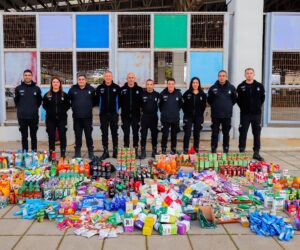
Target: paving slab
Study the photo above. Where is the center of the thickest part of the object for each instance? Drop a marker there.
(44, 228)
(14, 226)
(171, 242)
(196, 229)
(10, 213)
(250, 242)
(293, 244)
(70, 242)
(7, 242)
(38, 242)
(3, 211)
(212, 242)
(126, 242)
(237, 228)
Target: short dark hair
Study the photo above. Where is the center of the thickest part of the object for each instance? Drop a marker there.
(149, 80)
(171, 79)
(27, 71)
(222, 71)
(79, 75)
(247, 69)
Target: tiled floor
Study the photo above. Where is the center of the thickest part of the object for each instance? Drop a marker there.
(22, 234)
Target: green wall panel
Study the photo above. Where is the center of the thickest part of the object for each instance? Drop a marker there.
(170, 31)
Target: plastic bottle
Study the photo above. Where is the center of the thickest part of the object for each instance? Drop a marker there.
(244, 221)
(87, 169)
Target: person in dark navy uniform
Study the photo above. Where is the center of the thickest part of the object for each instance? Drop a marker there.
(149, 120)
(28, 99)
(221, 98)
(56, 104)
(251, 97)
(130, 104)
(170, 104)
(194, 104)
(107, 95)
(82, 99)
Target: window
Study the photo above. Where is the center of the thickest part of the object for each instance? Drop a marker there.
(19, 31)
(170, 64)
(285, 91)
(93, 65)
(207, 31)
(56, 64)
(134, 31)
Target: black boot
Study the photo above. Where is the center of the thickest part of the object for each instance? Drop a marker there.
(185, 151)
(173, 151)
(213, 150)
(242, 150)
(197, 150)
(50, 155)
(163, 151)
(257, 156)
(77, 153)
(136, 149)
(154, 152)
(115, 152)
(105, 154)
(143, 153)
(63, 153)
(91, 154)
(226, 150)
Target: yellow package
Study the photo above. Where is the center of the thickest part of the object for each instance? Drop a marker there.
(147, 231)
(4, 187)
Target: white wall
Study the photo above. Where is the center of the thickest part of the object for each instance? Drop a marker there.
(245, 43)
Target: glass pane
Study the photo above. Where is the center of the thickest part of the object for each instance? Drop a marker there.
(170, 31)
(19, 31)
(286, 32)
(136, 62)
(11, 110)
(134, 31)
(170, 64)
(93, 65)
(16, 63)
(92, 31)
(286, 68)
(207, 31)
(55, 31)
(206, 66)
(285, 104)
(56, 64)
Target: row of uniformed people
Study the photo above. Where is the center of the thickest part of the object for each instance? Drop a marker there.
(140, 108)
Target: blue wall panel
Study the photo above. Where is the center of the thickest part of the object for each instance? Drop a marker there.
(286, 32)
(92, 31)
(206, 66)
(55, 31)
